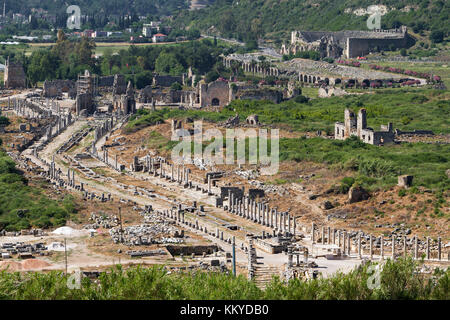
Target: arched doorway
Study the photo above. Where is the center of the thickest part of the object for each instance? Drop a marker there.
(215, 102)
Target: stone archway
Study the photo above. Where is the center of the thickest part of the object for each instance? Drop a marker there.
(215, 102)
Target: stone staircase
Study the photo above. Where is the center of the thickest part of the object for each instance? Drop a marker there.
(264, 274)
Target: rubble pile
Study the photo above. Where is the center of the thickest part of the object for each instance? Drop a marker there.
(155, 231)
(102, 221)
(269, 188)
(146, 253)
(247, 174)
(20, 248)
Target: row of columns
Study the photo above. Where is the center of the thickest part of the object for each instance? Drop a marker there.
(343, 241)
(261, 213)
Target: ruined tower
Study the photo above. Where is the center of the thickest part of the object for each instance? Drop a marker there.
(349, 122)
(127, 101)
(362, 121)
(14, 76)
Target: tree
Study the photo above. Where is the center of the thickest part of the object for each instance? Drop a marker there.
(4, 122)
(176, 86)
(143, 79)
(403, 52)
(437, 36)
(211, 76)
(167, 63)
(84, 51)
(43, 65)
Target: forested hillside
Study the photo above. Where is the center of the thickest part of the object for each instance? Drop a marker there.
(244, 19)
(91, 7)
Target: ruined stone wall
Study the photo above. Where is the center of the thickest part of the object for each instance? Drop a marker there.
(84, 104)
(216, 94)
(14, 76)
(349, 43)
(166, 81)
(361, 46)
(107, 81)
(380, 137)
(54, 88)
(274, 96)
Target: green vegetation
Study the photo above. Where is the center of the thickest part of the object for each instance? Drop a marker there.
(22, 206)
(374, 167)
(251, 19)
(398, 281)
(66, 59)
(422, 108)
(313, 55)
(119, 13)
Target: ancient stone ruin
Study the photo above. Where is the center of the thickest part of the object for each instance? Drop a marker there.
(358, 127)
(14, 76)
(349, 44)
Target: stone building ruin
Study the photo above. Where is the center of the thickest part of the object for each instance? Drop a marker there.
(14, 76)
(84, 103)
(349, 44)
(126, 103)
(55, 88)
(358, 127)
(215, 94)
(119, 84)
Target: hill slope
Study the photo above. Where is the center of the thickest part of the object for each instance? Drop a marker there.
(244, 19)
(104, 7)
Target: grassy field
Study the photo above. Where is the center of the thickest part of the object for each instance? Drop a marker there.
(375, 167)
(435, 68)
(101, 47)
(23, 206)
(406, 108)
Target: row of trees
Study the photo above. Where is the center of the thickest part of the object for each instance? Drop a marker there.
(67, 59)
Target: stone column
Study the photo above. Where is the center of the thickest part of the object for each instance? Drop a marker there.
(439, 248)
(428, 248)
(344, 243)
(289, 223)
(232, 203)
(263, 205)
(259, 212)
(323, 234)
(349, 248)
(339, 238)
(416, 247)
(312, 233)
(276, 219)
(295, 226)
(240, 207)
(381, 247)
(404, 247)
(359, 246)
(371, 247)
(329, 235)
(393, 247)
(271, 218)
